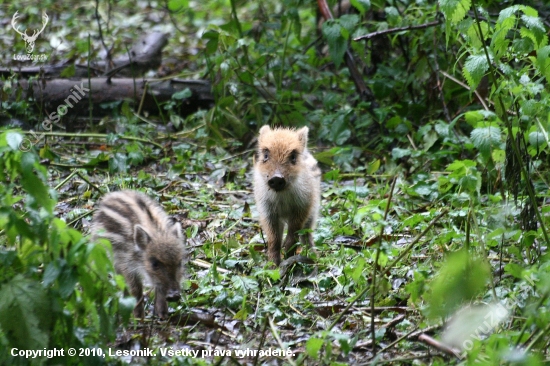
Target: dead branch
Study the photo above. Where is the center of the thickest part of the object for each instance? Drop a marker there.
(436, 344)
(395, 30)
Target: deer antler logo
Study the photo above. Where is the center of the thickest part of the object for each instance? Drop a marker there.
(29, 40)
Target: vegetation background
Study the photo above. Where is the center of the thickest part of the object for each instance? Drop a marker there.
(432, 246)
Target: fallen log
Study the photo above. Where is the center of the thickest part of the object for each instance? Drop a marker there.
(61, 97)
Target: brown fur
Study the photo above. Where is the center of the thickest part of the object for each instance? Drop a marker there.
(287, 188)
(146, 243)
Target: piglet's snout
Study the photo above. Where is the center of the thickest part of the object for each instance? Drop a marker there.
(277, 182)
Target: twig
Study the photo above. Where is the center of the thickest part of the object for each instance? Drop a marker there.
(397, 341)
(88, 181)
(479, 97)
(62, 183)
(72, 222)
(98, 135)
(395, 30)
(204, 264)
(276, 335)
(436, 344)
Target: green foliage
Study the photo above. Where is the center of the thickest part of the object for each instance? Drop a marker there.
(24, 313)
(460, 280)
(458, 126)
(52, 281)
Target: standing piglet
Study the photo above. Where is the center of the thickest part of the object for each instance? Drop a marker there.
(147, 243)
(287, 188)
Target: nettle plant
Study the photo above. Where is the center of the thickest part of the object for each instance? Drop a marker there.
(505, 184)
(55, 287)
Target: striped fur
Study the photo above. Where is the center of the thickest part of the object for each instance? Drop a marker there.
(287, 188)
(147, 244)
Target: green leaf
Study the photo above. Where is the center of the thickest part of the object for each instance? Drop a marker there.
(126, 306)
(349, 22)
(24, 313)
(67, 281)
(118, 163)
(460, 279)
(543, 62)
(337, 45)
(474, 69)
(361, 5)
(34, 185)
(51, 273)
(373, 167)
(537, 139)
(14, 140)
(183, 94)
(358, 270)
(473, 33)
(69, 71)
(313, 347)
(245, 284)
(486, 138)
(537, 31)
(398, 153)
(455, 10)
(177, 5)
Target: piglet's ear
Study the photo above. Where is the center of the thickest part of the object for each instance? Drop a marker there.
(176, 229)
(302, 135)
(141, 237)
(265, 129)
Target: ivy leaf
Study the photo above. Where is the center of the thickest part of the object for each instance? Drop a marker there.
(455, 10)
(474, 69)
(486, 138)
(337, 45)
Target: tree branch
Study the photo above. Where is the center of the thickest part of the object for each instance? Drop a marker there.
(395, 30)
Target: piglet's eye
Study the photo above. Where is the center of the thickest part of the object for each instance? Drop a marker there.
(155, 263)
(293, 156)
